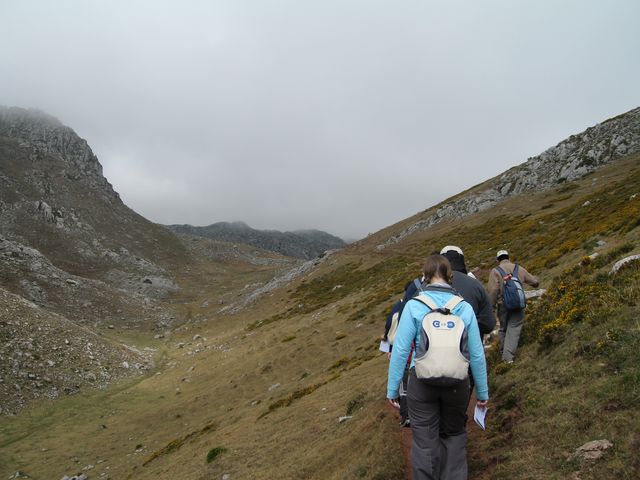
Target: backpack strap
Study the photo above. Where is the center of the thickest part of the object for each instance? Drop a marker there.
(446, 308)
(504, 274)
(515, 271)
(453, 303)
(427, 300)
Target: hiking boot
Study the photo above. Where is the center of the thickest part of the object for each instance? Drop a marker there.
(405, 422)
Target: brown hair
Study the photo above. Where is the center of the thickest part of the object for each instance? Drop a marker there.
(437, 265)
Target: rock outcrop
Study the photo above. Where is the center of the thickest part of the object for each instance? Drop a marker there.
(27, 272)
(277, 282)
(570, 159)
(45, 135)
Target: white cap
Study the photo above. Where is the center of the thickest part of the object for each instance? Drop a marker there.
(451, 248)
(501, 253)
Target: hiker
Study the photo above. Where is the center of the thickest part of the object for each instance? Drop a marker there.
(511, 316)
(413, 288)
(471, 289)
(438, 391)
(390, 330)
(391, 324)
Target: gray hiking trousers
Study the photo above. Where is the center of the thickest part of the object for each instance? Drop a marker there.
(510, 329)
(438, 424)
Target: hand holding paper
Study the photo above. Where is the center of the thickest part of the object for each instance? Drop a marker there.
(479, 415)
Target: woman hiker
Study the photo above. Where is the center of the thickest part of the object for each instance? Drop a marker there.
(438, 400)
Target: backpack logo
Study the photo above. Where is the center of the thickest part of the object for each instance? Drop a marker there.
(448, 325)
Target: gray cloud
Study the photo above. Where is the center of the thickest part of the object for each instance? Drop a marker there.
(341, 115)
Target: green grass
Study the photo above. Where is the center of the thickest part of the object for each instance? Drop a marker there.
(576, 379)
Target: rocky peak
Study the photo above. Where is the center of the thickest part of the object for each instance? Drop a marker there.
(568, 160)
(55, 199)
(45, 134)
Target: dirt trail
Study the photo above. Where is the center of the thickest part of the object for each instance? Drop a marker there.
(406, 437)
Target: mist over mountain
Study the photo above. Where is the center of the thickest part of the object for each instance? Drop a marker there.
(306, 244)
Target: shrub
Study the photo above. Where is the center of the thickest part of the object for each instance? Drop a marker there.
(214, 452)
(355, 403)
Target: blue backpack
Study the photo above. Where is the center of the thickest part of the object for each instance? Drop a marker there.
(513, 297)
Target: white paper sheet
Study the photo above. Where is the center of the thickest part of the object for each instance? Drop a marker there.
(385, 346)
(479, 415)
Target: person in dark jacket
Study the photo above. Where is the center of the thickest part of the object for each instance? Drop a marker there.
(411, 289)
(471, 289)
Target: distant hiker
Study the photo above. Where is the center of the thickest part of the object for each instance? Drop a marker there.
(445, 331)
(505, 283)
(391, 328)
(471, 289)
(413, 288)
(391, 325)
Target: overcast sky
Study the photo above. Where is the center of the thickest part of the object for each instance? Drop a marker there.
(341, 115)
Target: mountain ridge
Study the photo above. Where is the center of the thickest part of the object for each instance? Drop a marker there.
(572, 158)
(305, 244)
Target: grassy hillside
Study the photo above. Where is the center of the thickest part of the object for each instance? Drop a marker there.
(259, 394)
(577, 380)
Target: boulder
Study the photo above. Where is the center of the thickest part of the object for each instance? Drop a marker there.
(592, 450)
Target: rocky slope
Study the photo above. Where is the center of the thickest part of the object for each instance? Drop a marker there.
(74, 261)
(54, 198)
(68, 242)
(572, 158)
(306, 244)
(45, 355)
(77, 264)
(28, 273)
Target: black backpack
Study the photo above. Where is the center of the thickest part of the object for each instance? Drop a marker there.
(513, 297)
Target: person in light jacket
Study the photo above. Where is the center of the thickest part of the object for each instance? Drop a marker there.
(511, 321)
(437, 413)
